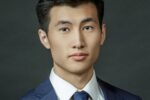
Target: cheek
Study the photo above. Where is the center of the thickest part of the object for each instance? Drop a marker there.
(57, 53)
(94, 41)
(95, 49)
(94, 46)
(58, 48)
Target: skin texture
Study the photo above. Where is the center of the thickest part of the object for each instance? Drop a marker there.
(74, 30)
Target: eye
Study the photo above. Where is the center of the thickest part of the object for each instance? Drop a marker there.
(64, 29)
(88, 28)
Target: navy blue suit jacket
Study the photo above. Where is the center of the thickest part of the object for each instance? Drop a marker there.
(45, 91)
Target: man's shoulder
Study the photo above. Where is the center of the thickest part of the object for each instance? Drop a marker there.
(115, 92)
(45, 90)
(39, 92)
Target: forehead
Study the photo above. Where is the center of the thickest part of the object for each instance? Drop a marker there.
(65, 12)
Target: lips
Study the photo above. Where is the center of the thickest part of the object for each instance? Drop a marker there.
(78, 56)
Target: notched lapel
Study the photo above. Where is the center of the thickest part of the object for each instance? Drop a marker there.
(45, 91)
(107, 89)
(50, 96)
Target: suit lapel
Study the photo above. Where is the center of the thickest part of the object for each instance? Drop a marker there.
(108, 91)
(50, 96)
(45, 91)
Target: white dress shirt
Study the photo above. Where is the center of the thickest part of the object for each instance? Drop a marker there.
(64, 90)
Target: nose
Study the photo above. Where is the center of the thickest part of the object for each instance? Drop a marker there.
(79, 42)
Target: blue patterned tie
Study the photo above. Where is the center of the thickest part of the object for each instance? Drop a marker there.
(80, 95)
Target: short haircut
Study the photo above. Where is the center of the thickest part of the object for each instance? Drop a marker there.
(44, 6)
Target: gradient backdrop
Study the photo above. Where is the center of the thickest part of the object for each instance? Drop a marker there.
(124, 60)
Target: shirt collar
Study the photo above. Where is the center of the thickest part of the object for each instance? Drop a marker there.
(93, 89)
(64, 90)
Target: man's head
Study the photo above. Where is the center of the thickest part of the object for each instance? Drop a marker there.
(74, 35)
(44, 7)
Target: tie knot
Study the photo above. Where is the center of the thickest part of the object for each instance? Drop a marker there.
(80, 95)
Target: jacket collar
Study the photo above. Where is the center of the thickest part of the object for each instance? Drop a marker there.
(108, 90)
(45, 91)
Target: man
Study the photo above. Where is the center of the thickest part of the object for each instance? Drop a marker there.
(74, 33)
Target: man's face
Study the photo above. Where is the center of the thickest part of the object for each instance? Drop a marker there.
(74, 38)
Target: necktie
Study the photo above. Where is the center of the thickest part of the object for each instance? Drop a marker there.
(80, 95)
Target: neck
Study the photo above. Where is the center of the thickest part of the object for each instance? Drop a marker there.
(79, 80)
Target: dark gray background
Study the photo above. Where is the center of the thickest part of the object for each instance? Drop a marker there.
(124, 59)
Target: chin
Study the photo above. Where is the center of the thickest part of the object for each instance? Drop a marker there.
(80, 69)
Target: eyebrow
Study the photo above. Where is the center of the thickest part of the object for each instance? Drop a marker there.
(88, 20)
(63, 22)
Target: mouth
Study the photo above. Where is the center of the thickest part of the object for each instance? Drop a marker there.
(79, 56)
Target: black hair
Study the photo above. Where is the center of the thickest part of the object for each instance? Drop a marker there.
(44, 6)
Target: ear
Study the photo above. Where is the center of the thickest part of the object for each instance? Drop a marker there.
(103, 34)
(44, 38)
